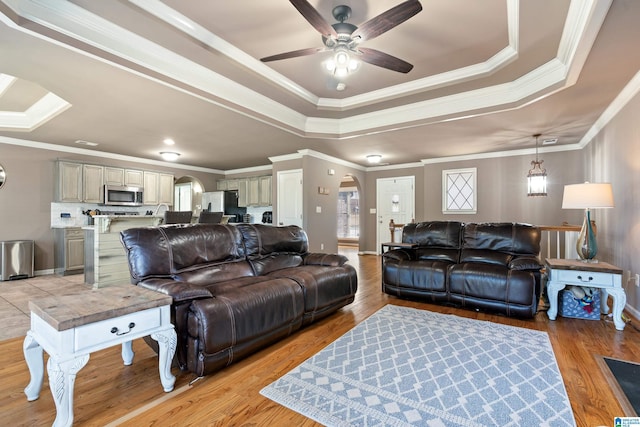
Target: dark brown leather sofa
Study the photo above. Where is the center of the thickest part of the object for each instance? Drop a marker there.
(491, 266)
(236, 288)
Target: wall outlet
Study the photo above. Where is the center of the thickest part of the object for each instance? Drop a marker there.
(321, 246)
(637, 280)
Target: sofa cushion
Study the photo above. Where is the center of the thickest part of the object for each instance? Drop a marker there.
(423, 275)
(475, 282)
(509, 237)
(485, 256)
(440, 234)
(324, 287)
(244, 316)
(163, 251)
(273, 248)
(435, 254)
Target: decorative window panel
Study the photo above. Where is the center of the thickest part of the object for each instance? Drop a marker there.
(459, 191)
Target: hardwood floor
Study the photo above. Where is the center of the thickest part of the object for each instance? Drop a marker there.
(108, 393)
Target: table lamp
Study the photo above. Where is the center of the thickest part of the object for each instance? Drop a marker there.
(587, 196)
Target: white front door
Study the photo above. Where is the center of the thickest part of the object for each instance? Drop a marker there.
(289, 209)
(395, 199)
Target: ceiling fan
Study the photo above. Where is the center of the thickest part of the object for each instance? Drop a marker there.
(344, 38)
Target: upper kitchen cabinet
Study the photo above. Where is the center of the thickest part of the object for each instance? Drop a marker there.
(158, 188)
(92, 178)
(254, 191)
(113, 176)
(151, 182)
(264, 198)
(134, 178)
(165, 189)
(69, 182)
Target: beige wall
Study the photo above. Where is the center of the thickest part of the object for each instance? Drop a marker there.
(614, 156)
(25, 200)
(502, 189)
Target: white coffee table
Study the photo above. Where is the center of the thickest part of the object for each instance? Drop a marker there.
(71, 327)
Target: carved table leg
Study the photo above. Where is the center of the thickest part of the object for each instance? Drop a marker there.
(167, 347)
(62, 377)
(552, 292)
(619, 301)
(33, 355)
(127, 353)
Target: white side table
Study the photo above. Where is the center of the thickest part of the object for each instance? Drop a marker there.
(71, 327)
(602, 275)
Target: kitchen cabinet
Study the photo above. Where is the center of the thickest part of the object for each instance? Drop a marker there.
(243, 192)
(158, 188)
(92, 188)
(165, 189)
(151, 181)
(133, 178)
(253, 191)
(233, 184)
(113, 176)
(69, 182)
(221, 185)
(264, 198)
(69, 250)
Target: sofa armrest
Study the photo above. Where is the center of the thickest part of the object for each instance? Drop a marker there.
(399, 254)
(329, 260)
(179, 291)
(525, 263)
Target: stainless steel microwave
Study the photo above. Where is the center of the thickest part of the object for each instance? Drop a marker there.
(123, 196)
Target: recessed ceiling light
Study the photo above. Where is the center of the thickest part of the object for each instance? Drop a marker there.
(374, 158)
(170, 156)
(169, 141)
(89, 143)
(341, 86)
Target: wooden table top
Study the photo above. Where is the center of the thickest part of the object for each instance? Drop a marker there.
(576, 264)
(93, 305)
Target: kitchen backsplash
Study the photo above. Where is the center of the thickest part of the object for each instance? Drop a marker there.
(76, 218)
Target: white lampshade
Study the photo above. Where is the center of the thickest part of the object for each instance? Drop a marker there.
(588, 196)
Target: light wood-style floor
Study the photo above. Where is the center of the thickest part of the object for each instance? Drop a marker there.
(108, 393)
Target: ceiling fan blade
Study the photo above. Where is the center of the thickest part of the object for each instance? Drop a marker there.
(314, 18)
(293, 54)
(386, 20)
(384, 60)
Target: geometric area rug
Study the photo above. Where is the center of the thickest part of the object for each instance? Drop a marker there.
(408, 367)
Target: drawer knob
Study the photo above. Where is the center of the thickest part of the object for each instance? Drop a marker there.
(116, 331)
(582, 280)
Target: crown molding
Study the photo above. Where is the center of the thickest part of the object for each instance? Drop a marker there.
(5, 82)
(501, 154)
(624, 97)
(583, 22)
(111, 156)
(43, 110)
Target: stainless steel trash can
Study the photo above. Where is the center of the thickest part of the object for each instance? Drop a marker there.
(16, 259)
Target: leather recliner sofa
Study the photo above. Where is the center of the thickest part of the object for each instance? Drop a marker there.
(491, 266)
(236, 288)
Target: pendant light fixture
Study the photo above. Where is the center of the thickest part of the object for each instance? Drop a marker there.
(537, 177)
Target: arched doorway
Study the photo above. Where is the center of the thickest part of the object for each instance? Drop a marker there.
(188, 194)
(349, 212)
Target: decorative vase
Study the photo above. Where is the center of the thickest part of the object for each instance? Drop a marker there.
(586, 244)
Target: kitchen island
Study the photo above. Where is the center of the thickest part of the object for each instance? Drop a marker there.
(105, 258)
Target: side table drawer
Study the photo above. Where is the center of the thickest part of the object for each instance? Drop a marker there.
(586, 278)
(111, 331)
